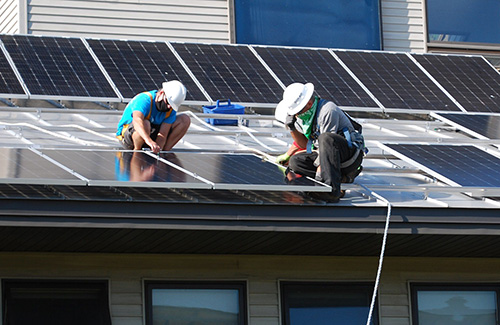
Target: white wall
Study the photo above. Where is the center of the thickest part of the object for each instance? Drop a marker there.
(9, 16)
(174, 20)
(403, 25)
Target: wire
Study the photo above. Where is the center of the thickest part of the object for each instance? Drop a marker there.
(382, 252)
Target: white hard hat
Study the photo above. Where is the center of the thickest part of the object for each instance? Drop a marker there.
(295, 98)
(175, 93)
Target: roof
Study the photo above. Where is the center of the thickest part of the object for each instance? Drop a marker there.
(424, 210)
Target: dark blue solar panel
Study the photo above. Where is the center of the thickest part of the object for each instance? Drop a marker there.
(465, 165)
(330, 79)
(396, 81)
(9, 84)
(237, 171)
(57, 66)
(136, 66)
(230, 72)
(486, 125)
(472, 81)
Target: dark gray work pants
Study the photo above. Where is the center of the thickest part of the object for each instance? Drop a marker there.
(333, 149)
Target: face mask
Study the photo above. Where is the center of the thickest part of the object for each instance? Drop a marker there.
(162, 106)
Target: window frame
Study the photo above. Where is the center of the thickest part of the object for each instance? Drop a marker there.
(415, 287)
(102, 285)
(241, 286)
(339, 284)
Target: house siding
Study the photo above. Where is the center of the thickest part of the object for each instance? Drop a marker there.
(189, 21)
(126, 274)
(403, 25)
(9, 16)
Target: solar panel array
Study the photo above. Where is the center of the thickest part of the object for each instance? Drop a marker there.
(141, 169)
(483, 126)
(112, 70)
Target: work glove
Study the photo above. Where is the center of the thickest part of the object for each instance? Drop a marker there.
(290, 122)
(282, 159)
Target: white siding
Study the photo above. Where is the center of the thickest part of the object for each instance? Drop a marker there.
(403, 25)
(174, 20)
(9, 16)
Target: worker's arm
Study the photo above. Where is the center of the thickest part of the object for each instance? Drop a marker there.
(161, 138)
(138, 122)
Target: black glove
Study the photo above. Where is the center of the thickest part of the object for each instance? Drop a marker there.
(290, 122)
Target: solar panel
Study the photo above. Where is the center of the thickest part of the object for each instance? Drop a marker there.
(9, 84)
(137, 66)
(396, 81)
(472, 81)
(330, 79)
(240, 172)
(57, 67)
(483, 126)
(124, 168)
(23, 166)
(462, 165)
(230, 72)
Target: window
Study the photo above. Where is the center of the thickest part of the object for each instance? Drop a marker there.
(306, 303)
(202, 303)
(455, 304)
(352, 24)
(55, 302)
(459, 21)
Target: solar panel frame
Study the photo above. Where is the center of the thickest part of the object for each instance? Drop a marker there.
(471, 80)
(320, 67)
(136, 66)
(396, 81)
(479, 125)
(233, 171)
(11, 85)
(230, 71)
(465, 165)
(58, 68)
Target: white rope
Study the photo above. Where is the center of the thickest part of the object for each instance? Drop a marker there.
(382, 252)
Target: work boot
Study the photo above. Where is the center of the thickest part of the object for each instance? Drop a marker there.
(328, 197)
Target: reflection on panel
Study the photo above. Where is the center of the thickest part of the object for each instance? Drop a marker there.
(57, 66)
(396, 81)
(245, 172)
(477, 125)
(472, 81)
(124, 168)
(136, 66)
(230, 72)
(464, 165)
(331, 81)
(24, 166)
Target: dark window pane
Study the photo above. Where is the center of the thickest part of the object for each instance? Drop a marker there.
(463, 21)
(55, 302)
(352, 24)
(311, 303)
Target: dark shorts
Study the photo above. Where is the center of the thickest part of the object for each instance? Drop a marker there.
(127, 141)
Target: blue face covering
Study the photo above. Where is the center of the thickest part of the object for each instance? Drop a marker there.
(307, 118)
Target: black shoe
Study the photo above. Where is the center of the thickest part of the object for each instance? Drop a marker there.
(329, 197)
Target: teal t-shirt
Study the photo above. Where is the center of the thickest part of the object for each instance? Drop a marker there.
(144, 103)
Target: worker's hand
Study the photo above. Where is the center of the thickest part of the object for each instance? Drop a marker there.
(154, 146)
(283, 159)
(290, 122)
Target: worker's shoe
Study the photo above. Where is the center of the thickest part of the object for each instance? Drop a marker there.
(328, 197)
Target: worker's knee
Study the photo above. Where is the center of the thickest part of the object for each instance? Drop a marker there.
(184, 121)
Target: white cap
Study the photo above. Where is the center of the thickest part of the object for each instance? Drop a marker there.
(175, 93)
(295, 98)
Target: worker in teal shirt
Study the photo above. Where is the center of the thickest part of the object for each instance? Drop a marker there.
(150, 119)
